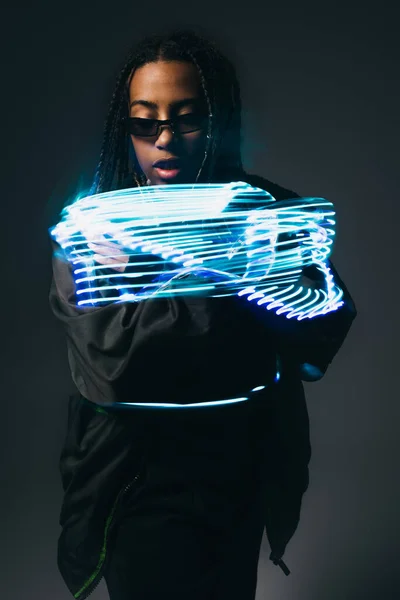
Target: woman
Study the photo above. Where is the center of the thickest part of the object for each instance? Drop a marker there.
(173, 503)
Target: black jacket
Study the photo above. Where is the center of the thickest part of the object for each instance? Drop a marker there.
(116, 350)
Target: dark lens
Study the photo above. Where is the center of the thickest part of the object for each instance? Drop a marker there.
(142, 127)
(190, 122)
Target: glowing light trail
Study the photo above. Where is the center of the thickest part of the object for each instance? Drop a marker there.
(233, 238)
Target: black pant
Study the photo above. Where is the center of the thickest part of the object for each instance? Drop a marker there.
(193, 529)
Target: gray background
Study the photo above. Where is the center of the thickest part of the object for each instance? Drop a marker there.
(320, 90)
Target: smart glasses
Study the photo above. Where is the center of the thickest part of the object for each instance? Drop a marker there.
(151, 127)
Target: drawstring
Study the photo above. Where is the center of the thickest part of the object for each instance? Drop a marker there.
(279, 562)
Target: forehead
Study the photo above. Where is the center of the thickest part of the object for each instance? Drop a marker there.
(165, 82)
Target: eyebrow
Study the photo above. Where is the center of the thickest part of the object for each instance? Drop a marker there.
(178, 104)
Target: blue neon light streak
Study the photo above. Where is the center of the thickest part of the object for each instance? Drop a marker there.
(236, 239)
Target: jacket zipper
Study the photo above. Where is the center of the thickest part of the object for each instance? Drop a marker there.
(91, 584)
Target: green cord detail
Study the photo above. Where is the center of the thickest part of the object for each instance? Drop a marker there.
(102, 553)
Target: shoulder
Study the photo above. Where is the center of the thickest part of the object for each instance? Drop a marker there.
(277, 191)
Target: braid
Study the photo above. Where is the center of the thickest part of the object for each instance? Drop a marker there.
(113, 153)
(210, 130)
(222, 94)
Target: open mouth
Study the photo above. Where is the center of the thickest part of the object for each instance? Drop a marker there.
(170, 163)
(168, 169)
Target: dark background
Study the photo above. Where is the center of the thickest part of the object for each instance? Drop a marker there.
(320, 90)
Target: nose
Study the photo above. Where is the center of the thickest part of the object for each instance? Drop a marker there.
(165, 137)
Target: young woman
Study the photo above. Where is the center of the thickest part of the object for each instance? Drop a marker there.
(173, 503)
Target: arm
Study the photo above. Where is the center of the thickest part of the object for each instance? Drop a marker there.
(310, 345)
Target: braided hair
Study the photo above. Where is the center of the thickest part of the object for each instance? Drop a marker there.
(118, 163)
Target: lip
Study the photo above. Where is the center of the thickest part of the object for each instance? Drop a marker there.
(167, 173)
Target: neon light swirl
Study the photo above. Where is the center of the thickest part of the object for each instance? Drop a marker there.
(233, 238)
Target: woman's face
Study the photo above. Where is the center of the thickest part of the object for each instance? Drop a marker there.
(165, 90)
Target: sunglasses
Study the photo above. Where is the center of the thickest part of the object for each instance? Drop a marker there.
(180, 124)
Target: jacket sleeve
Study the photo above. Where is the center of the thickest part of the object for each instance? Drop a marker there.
(183, 346)
(310, 345)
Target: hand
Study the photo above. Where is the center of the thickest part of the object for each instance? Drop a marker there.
(108, 253)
